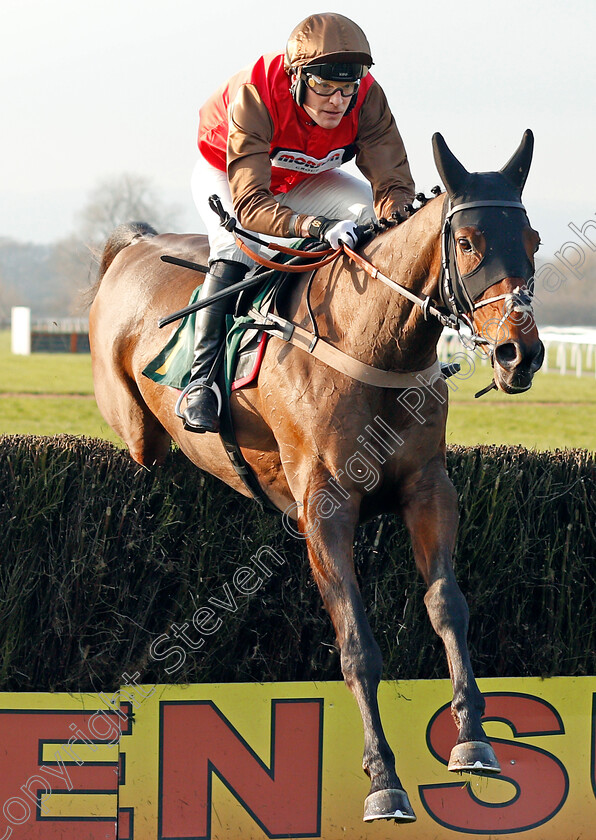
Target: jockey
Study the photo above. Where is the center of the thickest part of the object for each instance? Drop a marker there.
(271, 142)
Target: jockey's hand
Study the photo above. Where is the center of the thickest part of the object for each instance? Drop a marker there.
(334, 231)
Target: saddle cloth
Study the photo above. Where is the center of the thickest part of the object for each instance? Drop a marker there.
(244, 350)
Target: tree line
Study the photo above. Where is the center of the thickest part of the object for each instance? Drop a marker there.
(51, 279)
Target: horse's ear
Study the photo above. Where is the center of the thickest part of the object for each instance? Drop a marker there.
(517, 167)
(452, 173)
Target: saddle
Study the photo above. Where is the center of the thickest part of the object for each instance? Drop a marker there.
(255, 317)
(244, 348)
(244, 343)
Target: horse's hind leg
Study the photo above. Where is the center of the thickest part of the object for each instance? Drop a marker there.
(121, 404)
(430, 513)
(330, 549)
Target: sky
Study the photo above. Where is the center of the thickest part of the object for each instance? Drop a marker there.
(91, 90)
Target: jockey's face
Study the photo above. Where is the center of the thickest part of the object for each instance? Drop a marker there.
(326, 111)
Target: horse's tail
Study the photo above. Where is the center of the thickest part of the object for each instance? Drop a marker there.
(120, 238)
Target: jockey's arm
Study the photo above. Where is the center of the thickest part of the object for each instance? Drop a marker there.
(382, 156)
(249, 167)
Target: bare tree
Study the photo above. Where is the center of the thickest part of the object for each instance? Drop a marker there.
(71, 271)
(124, 198)
(9, 297)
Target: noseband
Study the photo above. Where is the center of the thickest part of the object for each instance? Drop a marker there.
(459, 293)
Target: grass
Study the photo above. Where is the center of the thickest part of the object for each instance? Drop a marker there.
(38, 415)
(26, 383)
(558, 412)
(44, 373)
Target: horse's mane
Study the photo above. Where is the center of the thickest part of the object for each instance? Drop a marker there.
(413, 238)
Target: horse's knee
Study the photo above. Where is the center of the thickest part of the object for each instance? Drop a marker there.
(446, 606)
(361, 661)
(151, 450)
(147, 459)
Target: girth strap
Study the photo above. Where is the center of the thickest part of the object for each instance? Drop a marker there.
(340, 361)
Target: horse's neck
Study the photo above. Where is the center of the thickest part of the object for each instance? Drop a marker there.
(375, 323)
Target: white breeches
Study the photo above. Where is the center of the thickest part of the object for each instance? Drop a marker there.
(334, 194)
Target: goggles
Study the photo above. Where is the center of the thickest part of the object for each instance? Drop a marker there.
(324, 87)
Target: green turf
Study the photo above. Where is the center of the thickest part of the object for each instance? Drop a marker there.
(39, 415)
(44, 373)
(558, 412)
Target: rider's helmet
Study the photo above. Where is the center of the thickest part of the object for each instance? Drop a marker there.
(327, 48)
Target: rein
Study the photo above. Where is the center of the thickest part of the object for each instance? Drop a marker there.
(451, 285)
(329, 354)
(294, 252)
(229, 223)
(519, 300)
(424, 303)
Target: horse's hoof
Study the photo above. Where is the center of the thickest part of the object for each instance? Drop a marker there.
(391, 804)
(473, 757)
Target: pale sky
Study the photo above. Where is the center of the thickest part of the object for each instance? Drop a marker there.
(89, 90)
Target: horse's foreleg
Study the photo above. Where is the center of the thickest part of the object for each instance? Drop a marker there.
(330, 549)
(430, 513)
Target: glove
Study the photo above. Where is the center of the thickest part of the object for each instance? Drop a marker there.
(334, 231)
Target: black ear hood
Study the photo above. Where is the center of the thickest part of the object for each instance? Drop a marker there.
(452, 173)
(491, 202)
(517, 167)
(457, 179)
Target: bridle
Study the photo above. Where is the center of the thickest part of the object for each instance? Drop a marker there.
(459, 299)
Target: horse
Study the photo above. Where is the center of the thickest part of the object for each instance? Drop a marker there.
(310, 433)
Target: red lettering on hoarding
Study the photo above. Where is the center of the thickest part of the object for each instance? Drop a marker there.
(41, 756)
(197, 740)
(126, 823)
(539, 779)
(593, 750)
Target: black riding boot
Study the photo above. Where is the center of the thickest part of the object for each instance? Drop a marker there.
(201, 413)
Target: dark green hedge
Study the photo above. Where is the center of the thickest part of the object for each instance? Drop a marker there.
(100, 557)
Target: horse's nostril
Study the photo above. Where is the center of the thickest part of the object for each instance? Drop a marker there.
(507, 354)
(537, 355)
(512, 354)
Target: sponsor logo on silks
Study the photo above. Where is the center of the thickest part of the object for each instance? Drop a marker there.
(299, 162)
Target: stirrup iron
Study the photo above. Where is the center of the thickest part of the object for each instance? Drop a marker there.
(192, 386)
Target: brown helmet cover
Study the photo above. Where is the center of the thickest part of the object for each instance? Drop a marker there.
(327, 36)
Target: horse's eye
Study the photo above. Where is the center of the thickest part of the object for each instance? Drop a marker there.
(465, 245)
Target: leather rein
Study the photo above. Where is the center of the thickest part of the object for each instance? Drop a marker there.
(453, 314)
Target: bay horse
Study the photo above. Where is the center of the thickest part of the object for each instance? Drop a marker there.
(311, 433)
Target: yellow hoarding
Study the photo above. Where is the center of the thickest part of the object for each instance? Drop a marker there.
(248, 762)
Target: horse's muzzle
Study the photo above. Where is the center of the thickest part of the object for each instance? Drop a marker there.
(515, 364)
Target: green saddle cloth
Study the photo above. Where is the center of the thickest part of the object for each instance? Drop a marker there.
(172, 365)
